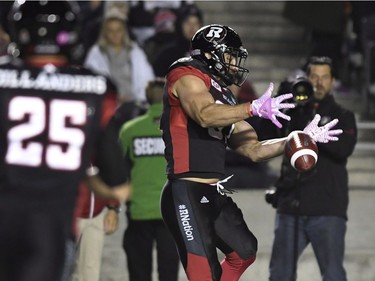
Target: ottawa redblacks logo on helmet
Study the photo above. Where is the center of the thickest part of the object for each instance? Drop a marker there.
(214, 33)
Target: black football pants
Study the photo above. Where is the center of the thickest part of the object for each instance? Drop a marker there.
(202, 220)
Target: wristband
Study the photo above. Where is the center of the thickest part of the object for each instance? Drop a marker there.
(249, 110)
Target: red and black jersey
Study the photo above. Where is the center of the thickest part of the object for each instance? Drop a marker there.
(51, 120)
(191, 150)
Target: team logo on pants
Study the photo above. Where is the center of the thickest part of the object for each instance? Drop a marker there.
(185, 222)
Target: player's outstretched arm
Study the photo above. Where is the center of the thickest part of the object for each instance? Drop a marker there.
(244, 141)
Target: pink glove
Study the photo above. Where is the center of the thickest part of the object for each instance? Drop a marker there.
(269, 108)
(324, 133)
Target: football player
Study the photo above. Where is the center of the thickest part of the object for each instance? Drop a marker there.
(52, 117)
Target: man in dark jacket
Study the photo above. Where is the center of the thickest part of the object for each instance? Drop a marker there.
(316, 201)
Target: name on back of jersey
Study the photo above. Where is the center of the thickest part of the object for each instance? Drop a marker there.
(61, 82)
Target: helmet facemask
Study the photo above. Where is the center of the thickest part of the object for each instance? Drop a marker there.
(222, 64)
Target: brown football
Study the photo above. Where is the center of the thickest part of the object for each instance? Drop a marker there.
(301, 150)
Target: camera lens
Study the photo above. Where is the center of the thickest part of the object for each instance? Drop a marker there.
(302, 90)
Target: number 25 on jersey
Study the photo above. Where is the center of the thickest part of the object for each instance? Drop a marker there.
(50, 118)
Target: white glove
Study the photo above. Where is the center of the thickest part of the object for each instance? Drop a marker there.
(324, 133)
(269, 108)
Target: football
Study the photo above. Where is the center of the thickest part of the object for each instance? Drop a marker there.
(301, 150)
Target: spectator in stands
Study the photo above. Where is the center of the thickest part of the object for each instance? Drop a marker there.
(165, 27)
(143, 149)
(141, 15)
(189, 20)
(118, 57)
(92, 13)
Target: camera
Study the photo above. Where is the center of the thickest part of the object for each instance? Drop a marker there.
(302, 90)
(271, 197)
(299, 86)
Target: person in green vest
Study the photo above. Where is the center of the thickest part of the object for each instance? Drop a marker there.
(143, 149)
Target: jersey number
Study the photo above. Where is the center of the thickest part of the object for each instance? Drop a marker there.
(64, 150)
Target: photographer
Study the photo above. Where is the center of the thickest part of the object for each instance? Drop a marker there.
(312, 206)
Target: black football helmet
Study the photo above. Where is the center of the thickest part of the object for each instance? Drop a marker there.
(44, 27)
(219, 40)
